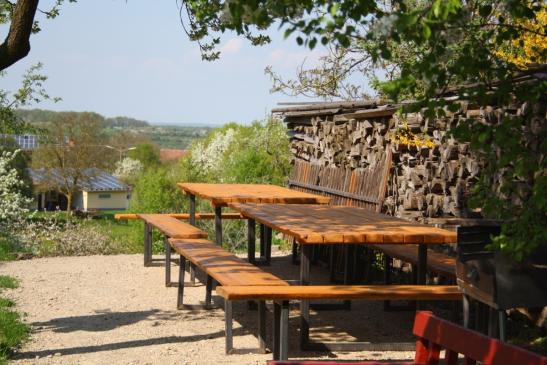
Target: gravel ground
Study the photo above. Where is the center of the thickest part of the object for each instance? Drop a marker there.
(112, 310)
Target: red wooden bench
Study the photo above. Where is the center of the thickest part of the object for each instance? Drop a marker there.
(435, 334)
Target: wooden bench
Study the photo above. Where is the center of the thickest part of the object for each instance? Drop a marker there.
(171, 228)
(436, 334)
(282, 294)
(227, 270)
(199, 216)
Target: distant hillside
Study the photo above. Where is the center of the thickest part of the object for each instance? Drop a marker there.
(172, 136)
(41, 116)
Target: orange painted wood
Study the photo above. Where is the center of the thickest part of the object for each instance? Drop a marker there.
(224, 267)
(199, 216)
(318, 224)
(172, 227)
(223, 194)
(436, 262)
(367, 292)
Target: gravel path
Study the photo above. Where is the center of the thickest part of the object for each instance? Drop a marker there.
(112, 310)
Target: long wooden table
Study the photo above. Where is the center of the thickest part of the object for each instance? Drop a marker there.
(221, 195)
(343, 225)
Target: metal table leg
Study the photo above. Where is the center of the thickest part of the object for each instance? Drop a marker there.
(262, 240)
(305, 304)
(192, 219)
(268, 244)
(147, 244)
(422, 268)
(251, 240)
(218, 226)
(167, 261)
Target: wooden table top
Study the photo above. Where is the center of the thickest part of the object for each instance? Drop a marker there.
(223, 194)
(316, 224)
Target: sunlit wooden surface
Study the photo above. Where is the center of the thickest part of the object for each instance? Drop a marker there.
(317, 224)
(223, 194)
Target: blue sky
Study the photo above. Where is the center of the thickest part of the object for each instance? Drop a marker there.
(133, 58)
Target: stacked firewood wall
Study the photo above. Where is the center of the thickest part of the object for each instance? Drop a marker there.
(431, 180)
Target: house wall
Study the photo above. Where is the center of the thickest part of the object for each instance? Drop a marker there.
(100, 201)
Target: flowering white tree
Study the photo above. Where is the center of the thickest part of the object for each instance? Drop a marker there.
(128, 169)
(13, 204)
(210, 156)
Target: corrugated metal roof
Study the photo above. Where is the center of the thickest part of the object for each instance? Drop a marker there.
(95, 179)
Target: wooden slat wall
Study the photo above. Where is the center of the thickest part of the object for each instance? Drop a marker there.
(360, 187)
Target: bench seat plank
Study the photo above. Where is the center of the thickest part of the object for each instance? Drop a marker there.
(437, 262)
(226, 268)
(199, 216)
(172, 227)
(366, 292)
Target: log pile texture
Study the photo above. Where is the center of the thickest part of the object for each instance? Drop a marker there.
(427, 180)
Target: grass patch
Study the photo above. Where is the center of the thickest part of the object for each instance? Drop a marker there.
(13, 331)
(8, 282)
(7, 251)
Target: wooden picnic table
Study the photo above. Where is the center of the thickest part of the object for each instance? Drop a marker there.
(343, 225)
(340, 225)
(221, 195)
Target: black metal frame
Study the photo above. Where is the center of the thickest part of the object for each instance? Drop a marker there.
(228, 326)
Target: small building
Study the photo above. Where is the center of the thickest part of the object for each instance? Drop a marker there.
(99, 191)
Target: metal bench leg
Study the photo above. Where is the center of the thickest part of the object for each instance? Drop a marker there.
(262, 326)
(180, 292)
(192, 274)
(218, 226)
(276, 329)
(228, 321)
(208, 292)
(284, 331)
(167, 261)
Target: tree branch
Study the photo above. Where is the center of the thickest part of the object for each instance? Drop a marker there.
(17, 43)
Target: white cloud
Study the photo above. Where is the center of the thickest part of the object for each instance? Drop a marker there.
(233, 46)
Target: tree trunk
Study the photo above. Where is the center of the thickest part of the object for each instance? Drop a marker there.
(69, 203)
(17, 43)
